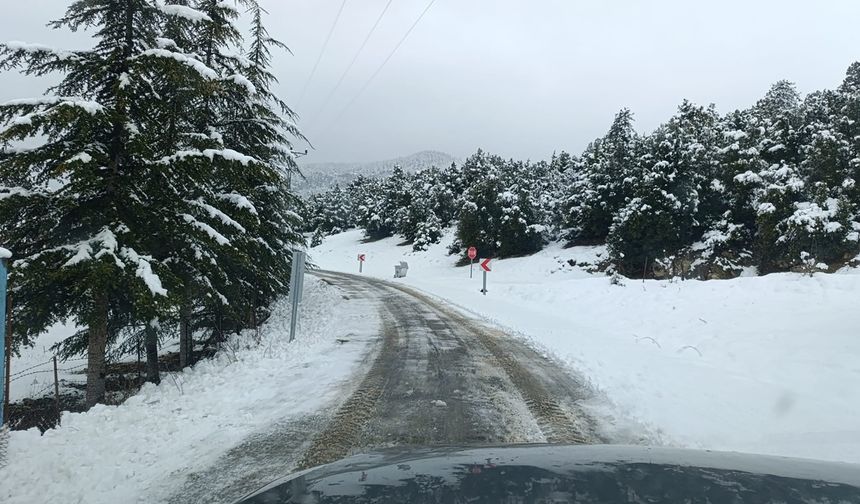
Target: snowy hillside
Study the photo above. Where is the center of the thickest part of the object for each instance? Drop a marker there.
(322, 176)
(755, 364)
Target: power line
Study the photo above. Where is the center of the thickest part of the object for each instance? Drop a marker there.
(322, 51)
(351, 63)
(378, 70)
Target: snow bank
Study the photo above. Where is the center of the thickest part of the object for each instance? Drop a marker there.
(760, 364)
(142, 451)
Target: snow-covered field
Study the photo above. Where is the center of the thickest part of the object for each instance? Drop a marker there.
(757, 364)
(142, 450)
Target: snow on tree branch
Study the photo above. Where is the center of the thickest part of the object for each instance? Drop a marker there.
(217, 214)
(193, 63)
(206, 228)
(184, 12)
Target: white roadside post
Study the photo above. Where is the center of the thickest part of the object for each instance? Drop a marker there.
(297, 282)
(485, 266)
(361, 258)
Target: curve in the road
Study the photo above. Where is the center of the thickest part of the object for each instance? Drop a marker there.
(444, 378)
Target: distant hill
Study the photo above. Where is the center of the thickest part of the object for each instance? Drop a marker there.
(322, 176)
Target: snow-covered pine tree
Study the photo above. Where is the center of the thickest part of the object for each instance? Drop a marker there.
(317, 238)
(726, 244)
(544, 181)
(239, 219)
(497, 215)
(561, 176)
(328, 212)
(369, 206)
(428, 226)
(599, 192)
(386, 204)
(778, 118)
(821, 222)
(201, 238)
(676, 173)
(73, 168)
(848, 125)
(265, 129)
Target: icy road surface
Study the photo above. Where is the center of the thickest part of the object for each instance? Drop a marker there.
(435, 377)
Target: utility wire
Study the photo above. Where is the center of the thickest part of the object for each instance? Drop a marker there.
(378, 70)
(351, 64)
(322, 51)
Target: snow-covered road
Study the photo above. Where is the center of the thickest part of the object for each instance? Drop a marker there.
(433, 377)
(444, 378)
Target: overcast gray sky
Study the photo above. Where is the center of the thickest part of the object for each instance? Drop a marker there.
(521, 78)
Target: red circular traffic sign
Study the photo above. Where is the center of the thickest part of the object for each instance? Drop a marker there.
(473, 253)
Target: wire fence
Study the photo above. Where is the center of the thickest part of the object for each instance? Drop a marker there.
(35, 371)
(40, 392)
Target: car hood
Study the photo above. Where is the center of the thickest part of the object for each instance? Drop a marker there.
(555, 474)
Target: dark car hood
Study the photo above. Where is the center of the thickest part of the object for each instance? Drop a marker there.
(556, 474)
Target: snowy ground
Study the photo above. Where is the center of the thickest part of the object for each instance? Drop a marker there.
(142, 450)
(756, 364)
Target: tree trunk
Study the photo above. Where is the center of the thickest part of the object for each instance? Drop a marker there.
(96, 346)
(186, 340)
(151, 344)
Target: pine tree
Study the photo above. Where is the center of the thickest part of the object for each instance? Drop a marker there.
(159, 193)
(238, 214)
(496, 213)
(83, 216)
(428, 230)
(676, 175)
(726, 244)
(317, 238)
(777, 116)
(598, 193)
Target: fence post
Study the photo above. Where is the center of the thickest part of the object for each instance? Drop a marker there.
(139, 377)
(4, 408)
(4, 391)
(4, 254)
(57, 390)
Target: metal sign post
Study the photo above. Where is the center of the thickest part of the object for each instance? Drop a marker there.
(485, 266)
(360, 262)
(473, 253)
(297, 282)
(301, 280)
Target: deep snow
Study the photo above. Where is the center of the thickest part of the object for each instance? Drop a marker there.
(142, 450)
(756, 364)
